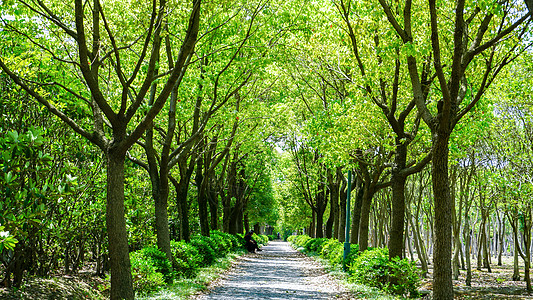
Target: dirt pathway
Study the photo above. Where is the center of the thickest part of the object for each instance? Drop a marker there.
(278, 272)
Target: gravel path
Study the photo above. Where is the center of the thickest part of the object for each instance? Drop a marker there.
(278, 272)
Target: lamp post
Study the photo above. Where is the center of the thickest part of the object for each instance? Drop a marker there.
(347, 226)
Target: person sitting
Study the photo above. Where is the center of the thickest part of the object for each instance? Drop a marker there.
(251, 244)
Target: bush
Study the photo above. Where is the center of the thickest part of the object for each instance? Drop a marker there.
(272, 237)
(373, 268)
(146, 279)
(261, 239)
(234, 242)
(221, 244)
(160, 262)
(333, 251)
(315, 245)
(299, 240)
(203, 244)
(187, 258)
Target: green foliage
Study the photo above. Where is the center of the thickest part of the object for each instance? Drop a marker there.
(146, 278)
(333, 251)
(373, 268)
(315, 245)
(187, 258)
(205, 250)
(160, 262)
(261, 239)
(7, 241)
(298, 240)
(233, 242)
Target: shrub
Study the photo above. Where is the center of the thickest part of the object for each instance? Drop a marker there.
(260, 239)
(291, 238)
(146, 279)
(272, 237)
(203, 244)
(315, 245)
(220, 244)
(299, 240)
(187, 258)
(333, 251)
(234, 242)
(373, 268)
(354, 253)
(160, 262)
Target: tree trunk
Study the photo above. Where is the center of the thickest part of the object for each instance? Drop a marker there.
(121, 281)
(467, 235)
(366, 204)
(442, 256)
(356, 214)
(213, 209)
(398, 215)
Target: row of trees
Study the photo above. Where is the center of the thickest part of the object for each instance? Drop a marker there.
(153, 90)
(194, 97)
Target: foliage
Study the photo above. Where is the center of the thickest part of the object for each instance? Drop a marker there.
(205, 250)
(7, 241)
(160, 262)
(261, 239)
(298, 240)
(146, 278)
(315, 245)
(187, 258)
(374, 268)
(332, 251)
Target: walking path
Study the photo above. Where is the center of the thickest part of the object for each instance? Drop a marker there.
(278, 272)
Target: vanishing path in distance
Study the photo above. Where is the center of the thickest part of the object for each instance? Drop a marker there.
(278, 272)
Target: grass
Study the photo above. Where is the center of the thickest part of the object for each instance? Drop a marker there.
(185, 287)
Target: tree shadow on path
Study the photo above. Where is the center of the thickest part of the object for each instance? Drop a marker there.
(278, 272)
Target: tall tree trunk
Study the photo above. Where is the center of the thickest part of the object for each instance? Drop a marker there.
(121, 281)
(356, 213)
(442, 256)
(398, 214)
(468, 246)
(201, 182)
(365, 218)
(213, 209)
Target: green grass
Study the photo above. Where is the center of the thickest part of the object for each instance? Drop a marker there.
(185, 287)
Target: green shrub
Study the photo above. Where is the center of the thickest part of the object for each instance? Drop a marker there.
(220, 244)
(160, 262)
(299, 240)
(203, 244)
(261, 239)
(332, 251)
(187, 258)
(272, 237)
(354, 253)
(315, 245)
(234, 242)
(373, 268)
(291, 238)
(146, 279)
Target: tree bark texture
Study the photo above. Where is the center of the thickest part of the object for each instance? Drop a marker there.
(442, 257)
(121, 280)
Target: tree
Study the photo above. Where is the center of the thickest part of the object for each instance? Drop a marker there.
(483, 41)
(118, 119)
